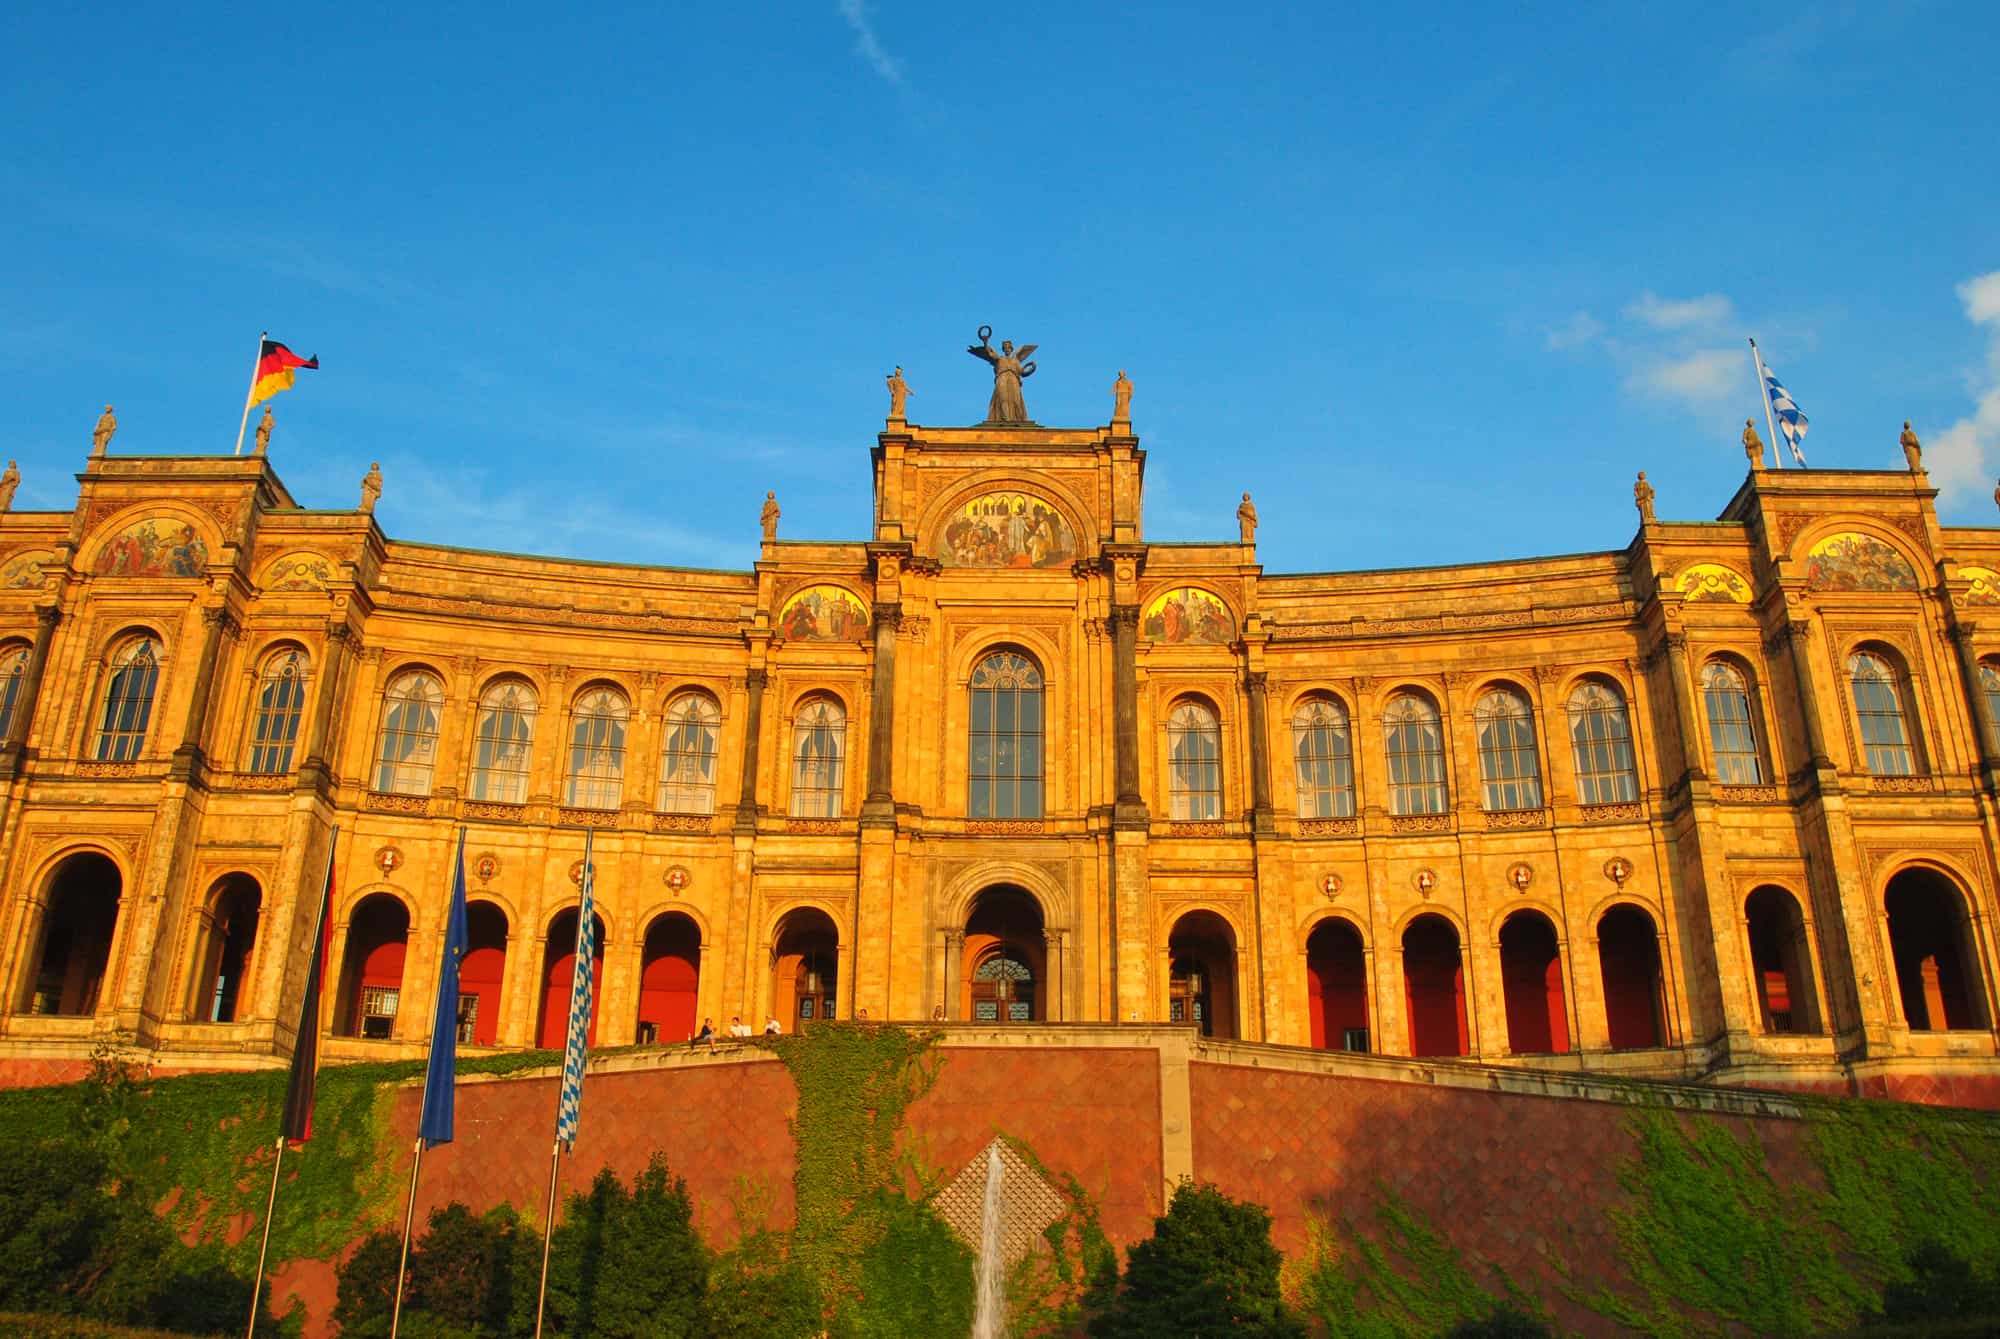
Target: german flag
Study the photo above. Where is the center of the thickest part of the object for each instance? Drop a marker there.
(274, 370)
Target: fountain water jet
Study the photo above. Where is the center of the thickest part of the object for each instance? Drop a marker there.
(990, 1320)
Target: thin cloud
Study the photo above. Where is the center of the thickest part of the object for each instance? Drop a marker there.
(866, 43)
(1960, 458)
(1581, 328)
(1710, 309)
(1698, 381)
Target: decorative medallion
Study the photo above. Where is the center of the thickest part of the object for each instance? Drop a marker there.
(1985, 588)
(1520, 874)
(1006, 530)
(1713, 583)
(823, 614)
(1330, 885)
(677, 878)
(1187, 614)
(486, 866)
(1618, 869)
(1425, 881)
(576, 872)
(299, 571)
(388, 859)
(1854, 561)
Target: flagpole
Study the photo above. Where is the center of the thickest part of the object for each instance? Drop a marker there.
(255, 363)
(578, 963)
(548, 1231)
(1764, 391)
(257, 1288)
(409, 1217)
(271, 1205)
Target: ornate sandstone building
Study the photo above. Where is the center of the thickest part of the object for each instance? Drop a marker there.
(1720, 803)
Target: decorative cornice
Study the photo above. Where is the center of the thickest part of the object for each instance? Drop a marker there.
(1612, 813)
(1517, 818)
(1403, 823)
(1329, 827)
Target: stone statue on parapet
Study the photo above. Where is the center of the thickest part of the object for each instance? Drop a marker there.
(9, 481)
(1121, 399)
(769, 516)
(1642, 498)
(263, 433)
(100, 437)
(1753, 445)
(899, 392)
(371, 486)
(1246, 520)
(1913, 450)
(1009, 370)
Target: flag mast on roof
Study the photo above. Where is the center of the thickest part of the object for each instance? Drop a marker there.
(1779, 401)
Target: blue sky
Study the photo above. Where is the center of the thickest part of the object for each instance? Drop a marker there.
(1431, 287)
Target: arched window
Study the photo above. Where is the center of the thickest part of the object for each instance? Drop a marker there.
(281, 700)
(687, 757)
(819, 750)
(597, 749)
(1004, 764)
(128, 702)
(1194, 764)
(1508, 767)
(503, 743)
(1003, 989)
(13, 664)
(1415, 746)
(1600, 733)
(1732, 731)
(1878, 704)
(408, 747)
(1324, 753)
(1989, 684)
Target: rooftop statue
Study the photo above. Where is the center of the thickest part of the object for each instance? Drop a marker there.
(100, 437)
(1753, 445)
(1009, 368)
(371, 486)
(1913, 450)
(899, 391)
(1121, 399)
(1246, 520)
(769, 516)
(1642, 498)
(9, 481)
(263, 433)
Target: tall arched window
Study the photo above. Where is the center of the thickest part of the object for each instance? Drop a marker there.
(503, 742)
(13, 664)
(1415, 746)
(819, 750)
(1989, 684)
(1878, 705)
(1508, 767)
(281, 700)
(408, 748)
(1324, 753)
(1194, 764)
(128, 701)
(1004, 762)
(597, 749)
(1732, 730)
(1600, 733)
(687, 755)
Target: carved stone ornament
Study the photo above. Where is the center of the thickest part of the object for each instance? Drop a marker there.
(1618, 869)
(1329, 827)
(576, 872)
(1329, 884)
(1612, 813)
(1425, 881)
(486, 866)
(1519, 875)
(388, 859)
(677, 878)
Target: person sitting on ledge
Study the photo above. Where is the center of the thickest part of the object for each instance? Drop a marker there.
(773, 1028)
(738, 1029)
(707, 1034)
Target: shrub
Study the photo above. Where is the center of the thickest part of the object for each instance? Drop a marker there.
(1208, 1269)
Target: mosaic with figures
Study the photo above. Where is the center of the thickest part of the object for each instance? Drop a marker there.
(1006, 530)
(1854, 561)
(1187, 614)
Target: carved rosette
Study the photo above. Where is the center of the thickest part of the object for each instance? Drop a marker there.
(677, 878)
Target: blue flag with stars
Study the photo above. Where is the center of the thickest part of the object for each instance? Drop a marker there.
(439, 1082)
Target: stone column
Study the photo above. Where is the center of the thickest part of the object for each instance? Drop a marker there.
(1124, 623)
(1799, 633)
(187, 759)
(1962, 637)
(317, 742)
(16, 743)
(1052, 990)
(753, 731)
(1256, 685)
(954, 954)
(882, 714)
(1685, 715)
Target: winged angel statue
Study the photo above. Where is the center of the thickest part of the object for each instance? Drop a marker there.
(1009, 368)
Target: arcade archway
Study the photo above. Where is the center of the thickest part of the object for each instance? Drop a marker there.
(82, 915)
(669, 979)
(1531, 979)
(1434, 986)
(558, 979)
(1201, 974)
(1003, 970)
(805, 968)
(371, 973)
(1931, 939)
(229, 936)
(1337, 987)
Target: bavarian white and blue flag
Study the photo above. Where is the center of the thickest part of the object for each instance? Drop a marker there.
(441, 1078)
(570, 1109)
(1785, 410)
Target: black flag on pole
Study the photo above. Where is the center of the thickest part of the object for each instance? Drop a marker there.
(297, 1125)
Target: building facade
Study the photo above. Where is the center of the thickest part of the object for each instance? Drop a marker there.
(1720, 803)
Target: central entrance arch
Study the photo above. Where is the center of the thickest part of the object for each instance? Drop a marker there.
(1003, 970)
(1201, 974)
(805, 968)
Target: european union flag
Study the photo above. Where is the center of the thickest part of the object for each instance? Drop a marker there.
(439, 1082)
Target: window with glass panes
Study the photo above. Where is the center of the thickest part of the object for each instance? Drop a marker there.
(13, 664)
(1003, 990)
(1989, 684)
(687, 755)
(1878, 706)
(1194, 764)
(1323, 752)
(597, 750)
(1004, 755)
(1414, 745)
(1732, 731)
(128, 702)
(407, 750)
(819, 750)
(281, 700)
(503, 743)
(1600, 734)
(1509, 770)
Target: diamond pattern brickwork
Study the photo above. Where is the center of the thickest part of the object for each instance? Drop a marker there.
(1028, 1204)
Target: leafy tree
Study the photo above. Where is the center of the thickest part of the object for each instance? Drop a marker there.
(916, 1279)
(1209, 1269)
(758, 1292)
(367, 1286)
(54, 1217)
(1505, 1322)
(1941, 1287)
(626, 1264)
